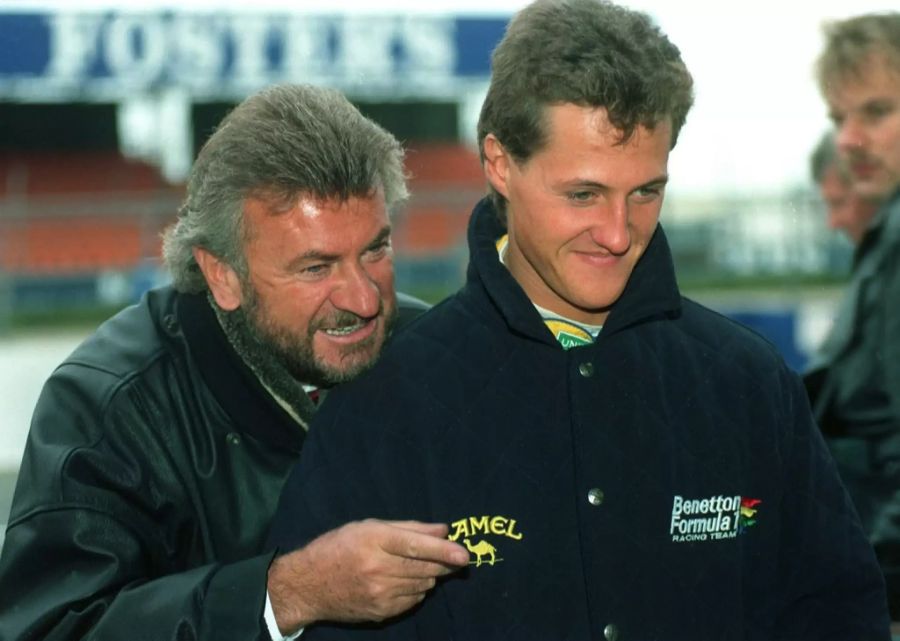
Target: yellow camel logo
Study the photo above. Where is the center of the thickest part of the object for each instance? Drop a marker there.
(480, 549)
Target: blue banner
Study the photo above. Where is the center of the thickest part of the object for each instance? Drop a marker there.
(97, 56)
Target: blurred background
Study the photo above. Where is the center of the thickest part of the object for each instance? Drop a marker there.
(103, 106)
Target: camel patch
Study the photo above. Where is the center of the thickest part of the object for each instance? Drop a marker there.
(472, 530)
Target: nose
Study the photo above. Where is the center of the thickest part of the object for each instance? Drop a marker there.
(849, 135)
(357, 292)
(610, 228)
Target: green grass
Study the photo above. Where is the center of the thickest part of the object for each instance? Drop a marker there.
(65, 318)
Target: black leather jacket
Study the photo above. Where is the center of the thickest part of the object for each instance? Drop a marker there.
(864, 348)
(153, 465)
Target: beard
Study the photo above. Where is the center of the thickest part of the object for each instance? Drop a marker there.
(294, 351)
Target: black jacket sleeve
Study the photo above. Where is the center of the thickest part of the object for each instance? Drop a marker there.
(101, 543)
(828, 583)
(74, 573)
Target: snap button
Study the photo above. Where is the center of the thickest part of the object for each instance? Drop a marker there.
(233, 438)
(595, 496)
(611, 632)
(170, 323)
(586, 369)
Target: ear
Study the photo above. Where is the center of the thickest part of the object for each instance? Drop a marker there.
(496, 164)
(223, 281)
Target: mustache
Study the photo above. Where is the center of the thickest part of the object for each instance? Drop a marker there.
(339, 319)
(857, 156)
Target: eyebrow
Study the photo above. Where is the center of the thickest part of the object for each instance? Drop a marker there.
(316, 256)
(659, 181)
(593, 184)
(382, 236)
(875, 103)
(878, 104)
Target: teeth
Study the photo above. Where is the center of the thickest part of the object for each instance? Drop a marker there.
(342, 331)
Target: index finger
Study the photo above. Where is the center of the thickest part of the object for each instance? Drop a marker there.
(434, 529)
(425, 547)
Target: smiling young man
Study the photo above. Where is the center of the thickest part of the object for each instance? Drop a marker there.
(158, 448)
(585, 208)
(620, 462)
(854, 380)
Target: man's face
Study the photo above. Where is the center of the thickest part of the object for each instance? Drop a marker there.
(847, 211)
(866, 111)
(321, 286)
(581, 210)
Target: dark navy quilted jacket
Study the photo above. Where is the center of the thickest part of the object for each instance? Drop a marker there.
(666, 482)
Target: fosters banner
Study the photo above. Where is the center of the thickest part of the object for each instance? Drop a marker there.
(108, 56)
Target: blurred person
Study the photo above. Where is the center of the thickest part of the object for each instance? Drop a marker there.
(854, 380)
(619, 461)
(158, 448)
(846, 210)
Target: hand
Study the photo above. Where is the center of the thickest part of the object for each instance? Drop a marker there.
(363, 571)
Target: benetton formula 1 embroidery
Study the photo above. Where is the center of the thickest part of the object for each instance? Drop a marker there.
(484, 552)
(711, 519)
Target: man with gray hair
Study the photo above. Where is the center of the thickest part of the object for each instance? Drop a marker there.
(854, 380)
(620, 462)
(158, 448)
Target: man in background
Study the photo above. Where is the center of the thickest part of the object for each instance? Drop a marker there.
(846, 210)
(854, 381)
(158, 448)
(620, 462)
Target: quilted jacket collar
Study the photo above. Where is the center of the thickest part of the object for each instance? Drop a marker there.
(651, 291)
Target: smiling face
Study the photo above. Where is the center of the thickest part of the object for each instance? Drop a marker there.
(865, 108)
(320, 292)
(581, 210)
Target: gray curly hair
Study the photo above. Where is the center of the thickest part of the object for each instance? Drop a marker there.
(284, 141)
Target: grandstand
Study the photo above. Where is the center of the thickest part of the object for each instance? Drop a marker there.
(71, 218)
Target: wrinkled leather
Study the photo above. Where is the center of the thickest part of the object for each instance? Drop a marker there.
(868, 457)
(152, 468)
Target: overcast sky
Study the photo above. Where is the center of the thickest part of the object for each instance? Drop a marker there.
(757, 112)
